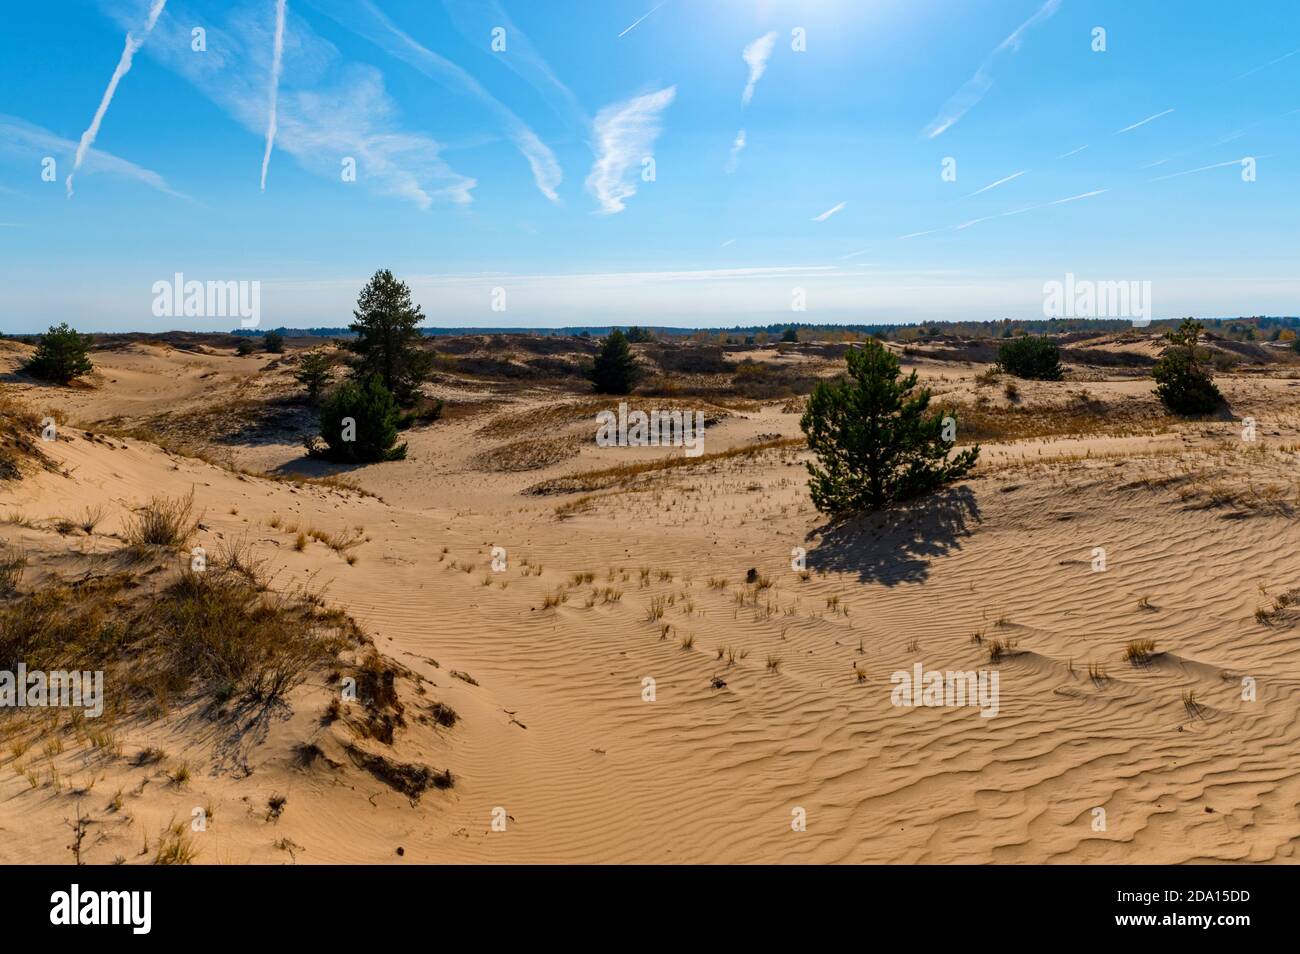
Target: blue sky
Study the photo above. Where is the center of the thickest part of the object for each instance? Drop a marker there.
(522, 169)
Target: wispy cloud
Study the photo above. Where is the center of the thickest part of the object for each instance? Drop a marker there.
(367, 21)
(993, 185)
(1264, 66)
(331, 110)
(737, 145)
(637, 22)
(475, 20)
(975, 88)
(30, 143)
(133, 44)
(1072, 152)
(756, 56)
(625, 134)
(277, 61)
(829, 212)
(962, 226)
(1143, 122)
(1216, 165)
(1076, 198)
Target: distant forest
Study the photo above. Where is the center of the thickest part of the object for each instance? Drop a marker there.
(1253, 328)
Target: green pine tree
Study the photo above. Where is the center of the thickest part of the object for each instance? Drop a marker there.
(615, 370)
(358, 423)
(314, 373)
(61, 355)
(1183, 380)
(1031, 356)
(874, 442)
(388, 341)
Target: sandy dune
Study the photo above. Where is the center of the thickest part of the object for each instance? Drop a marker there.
(554, 728)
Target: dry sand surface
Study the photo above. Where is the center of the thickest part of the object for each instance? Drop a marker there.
(768, 696)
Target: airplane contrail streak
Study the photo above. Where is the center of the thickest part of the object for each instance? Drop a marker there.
(277, 57)
(123, 67)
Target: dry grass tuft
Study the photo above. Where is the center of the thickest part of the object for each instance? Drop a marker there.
(163, 522)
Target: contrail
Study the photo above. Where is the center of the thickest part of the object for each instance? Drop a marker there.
(1003, 181)
(638, 22)
(829, 212)
(1217, 165)
(123, 67)
(1143, 122)
(277, 55)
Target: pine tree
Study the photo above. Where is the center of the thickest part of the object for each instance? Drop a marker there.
(388, 338)
(358, 423)
(313, 373)
(61, 355)
(615, 370)
(1031, 356)
(874, 443)
(1183, 382)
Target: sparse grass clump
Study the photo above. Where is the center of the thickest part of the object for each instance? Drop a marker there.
(998, 649)
(12, 566)
(163, 522)
(175, 846)
(1139, 651)
(216, 631)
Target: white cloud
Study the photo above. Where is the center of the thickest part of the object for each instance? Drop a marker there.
(734, 159)
(367, 21)
(475, 20)
(756, 56)
(974, 89)
(31, 143)
(625, 134)
(330, 110)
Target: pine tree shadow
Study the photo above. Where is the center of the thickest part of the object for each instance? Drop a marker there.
(898, 545)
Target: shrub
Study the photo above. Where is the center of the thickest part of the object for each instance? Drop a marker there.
(637, 335)
(874, 443)
(245, 347)
(314, 373)
(790, 335)
(1183, 381)
(615, 371)
(359, 424)
(388, 337)
(273, 341)
(1031, 357)
(426, 411)
(61, 355)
